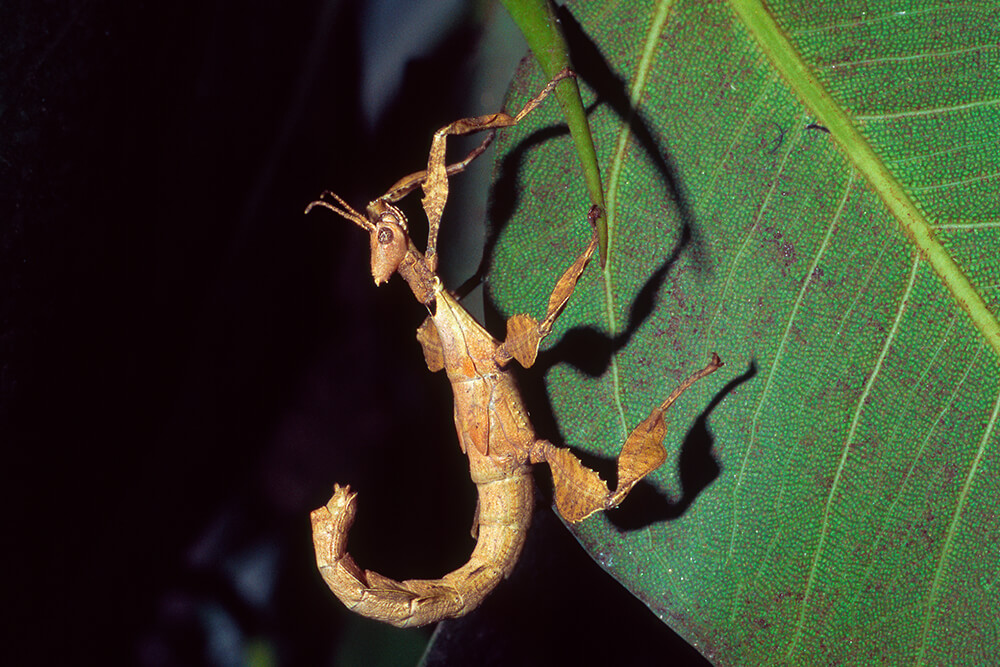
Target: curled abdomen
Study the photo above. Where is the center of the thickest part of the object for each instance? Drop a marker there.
(503, 516)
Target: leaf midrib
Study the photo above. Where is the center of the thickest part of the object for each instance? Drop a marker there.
(797, 74)
(614, 179)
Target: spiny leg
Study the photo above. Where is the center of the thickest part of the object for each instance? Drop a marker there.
(408, 184)
(436, 183)
(580, 492)
(525, 333)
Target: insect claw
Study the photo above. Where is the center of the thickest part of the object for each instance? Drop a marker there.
(594, 214)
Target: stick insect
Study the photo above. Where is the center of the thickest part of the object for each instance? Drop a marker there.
(490, 417)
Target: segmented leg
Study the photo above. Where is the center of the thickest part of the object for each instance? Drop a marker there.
(436, 182)
(503, 515)
(525, 333)
(580, 492)
(407, 184)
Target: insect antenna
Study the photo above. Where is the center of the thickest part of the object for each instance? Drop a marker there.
(344, 210)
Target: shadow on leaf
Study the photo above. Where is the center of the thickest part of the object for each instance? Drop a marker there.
(610, 89)
(587, 348)
(697, 468)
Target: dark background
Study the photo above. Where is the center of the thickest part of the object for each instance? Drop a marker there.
(189, 364)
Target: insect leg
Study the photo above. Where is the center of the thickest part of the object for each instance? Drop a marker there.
(525, 333)
(580, 492)
(407, 184)
(436, 183)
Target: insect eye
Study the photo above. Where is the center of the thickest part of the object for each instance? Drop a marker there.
(388, 244)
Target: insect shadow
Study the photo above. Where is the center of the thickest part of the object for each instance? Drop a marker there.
(697, 467)
(586, 348)
(590, 351)
(611, 90)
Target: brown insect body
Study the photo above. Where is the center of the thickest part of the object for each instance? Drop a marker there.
(490, 417)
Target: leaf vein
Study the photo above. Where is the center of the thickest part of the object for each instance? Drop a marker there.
(614, 180)
(764, 206)
(918, 56)
(928, 112)
(914, 461)
(986, 224)
(952, 184)
(844, 452)
(947, 151)
(782, 346)
(859, 22)
(946, 550)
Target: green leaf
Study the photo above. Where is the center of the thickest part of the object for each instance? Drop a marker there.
(813, 192)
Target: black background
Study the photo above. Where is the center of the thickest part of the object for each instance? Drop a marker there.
(188, 363)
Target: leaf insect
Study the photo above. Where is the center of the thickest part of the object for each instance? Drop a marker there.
(490, 416)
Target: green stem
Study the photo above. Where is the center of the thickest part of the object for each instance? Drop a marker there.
(536, 20)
